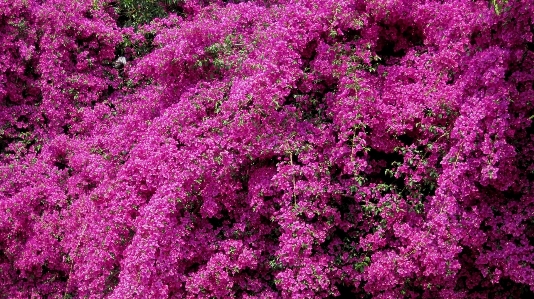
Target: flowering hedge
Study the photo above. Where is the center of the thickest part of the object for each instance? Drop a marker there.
(267, 149)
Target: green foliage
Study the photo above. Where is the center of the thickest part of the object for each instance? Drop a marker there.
(498, 5)
(360, 266)
(275, 263)
(139, 12)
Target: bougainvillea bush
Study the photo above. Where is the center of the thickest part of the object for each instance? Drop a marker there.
(267, 149)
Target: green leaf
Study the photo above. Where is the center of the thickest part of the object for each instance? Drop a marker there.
(498, 5)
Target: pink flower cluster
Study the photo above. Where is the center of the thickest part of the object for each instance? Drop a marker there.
(268, 149)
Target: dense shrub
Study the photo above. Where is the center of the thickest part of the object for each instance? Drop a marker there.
(267, 149)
